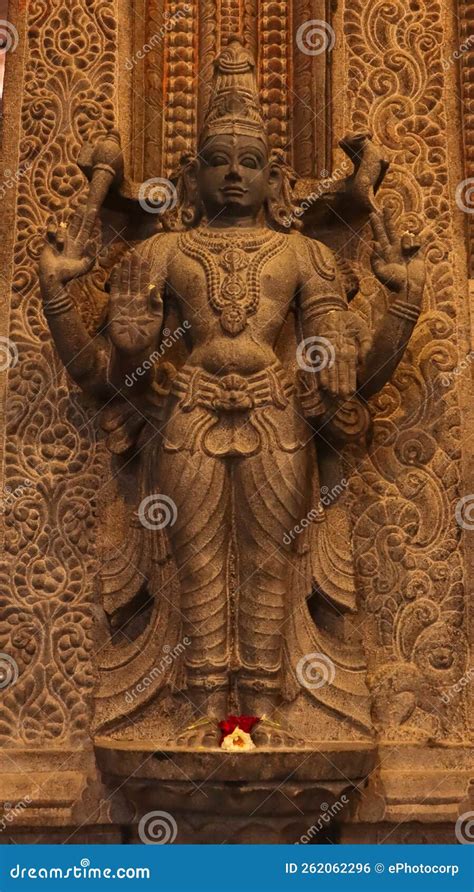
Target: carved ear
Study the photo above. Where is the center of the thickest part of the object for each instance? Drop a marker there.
(280, 204)
(275, 180)
(189, 171)
(187, 210)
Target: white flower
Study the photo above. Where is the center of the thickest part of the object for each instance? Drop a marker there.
(238, 742)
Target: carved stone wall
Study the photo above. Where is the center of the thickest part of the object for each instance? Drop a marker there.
(62, 81)
(407, 535)
(465, 53)
(413, 573)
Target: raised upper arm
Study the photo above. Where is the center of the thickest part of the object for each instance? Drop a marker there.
(318, 277)
(158, 251)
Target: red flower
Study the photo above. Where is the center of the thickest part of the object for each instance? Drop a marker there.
(244, 722)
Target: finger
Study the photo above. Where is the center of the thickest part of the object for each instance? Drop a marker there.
(75, 224)
(60, 236)
(344, 379)
(352, 377)
(378, 229)
(333, 376)
(91, 248)
(125, 270)
(145, 277)
(87, 226)
(114, 282)
(363, 338)
(155, 301)
(51, 233)
(323, 378)
(389, 224)
(86, 264)
(365, 342)
(135, 273)
(376, 263)
(410, 244)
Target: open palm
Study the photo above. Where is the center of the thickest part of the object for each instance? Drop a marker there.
(396, 261)
(69, 251)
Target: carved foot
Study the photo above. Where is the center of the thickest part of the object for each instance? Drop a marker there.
(271, 734)
(202, 734)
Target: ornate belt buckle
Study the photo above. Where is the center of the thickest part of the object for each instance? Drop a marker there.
(233, 394)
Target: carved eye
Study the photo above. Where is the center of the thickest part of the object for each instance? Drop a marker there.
(249, 161)
(218, 161)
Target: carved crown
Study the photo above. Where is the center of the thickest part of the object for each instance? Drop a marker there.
(234, 106)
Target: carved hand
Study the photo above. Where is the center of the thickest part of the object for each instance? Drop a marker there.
(396, 262)
(347, 343)
(136, 311)
(69, 251)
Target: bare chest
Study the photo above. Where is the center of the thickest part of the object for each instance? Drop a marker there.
(234, 278)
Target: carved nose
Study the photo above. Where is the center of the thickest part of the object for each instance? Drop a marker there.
(233, 173)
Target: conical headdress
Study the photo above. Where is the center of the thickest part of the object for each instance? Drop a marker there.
(234, 105)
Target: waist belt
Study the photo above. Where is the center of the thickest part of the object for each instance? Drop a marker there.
(231, 393)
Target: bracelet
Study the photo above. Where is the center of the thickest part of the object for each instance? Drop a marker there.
(324, 305)
(107, 167)
(59, 304)
(404, 310)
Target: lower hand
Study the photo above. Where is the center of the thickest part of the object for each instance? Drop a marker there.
(136, 311)
(347, 342)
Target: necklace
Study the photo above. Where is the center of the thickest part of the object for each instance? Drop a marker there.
(232, 264)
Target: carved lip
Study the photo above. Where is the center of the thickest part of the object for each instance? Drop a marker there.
(233, 191)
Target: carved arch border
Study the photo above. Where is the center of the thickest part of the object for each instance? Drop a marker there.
(172, 46)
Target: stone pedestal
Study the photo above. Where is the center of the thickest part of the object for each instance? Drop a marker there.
(285, 796)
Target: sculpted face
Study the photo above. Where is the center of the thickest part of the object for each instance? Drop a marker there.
(233, 176)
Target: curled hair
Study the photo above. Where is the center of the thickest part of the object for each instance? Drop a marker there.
(188, 210)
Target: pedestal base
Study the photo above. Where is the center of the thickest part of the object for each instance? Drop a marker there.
(209, 796)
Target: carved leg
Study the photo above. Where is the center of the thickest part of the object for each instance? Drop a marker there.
(199, 539)
(270, 493)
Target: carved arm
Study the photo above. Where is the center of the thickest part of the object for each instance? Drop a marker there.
(67, 255)
(398, 265)
(334, 339)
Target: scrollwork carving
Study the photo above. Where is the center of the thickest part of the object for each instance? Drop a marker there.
(52, 469)
(406, 537)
